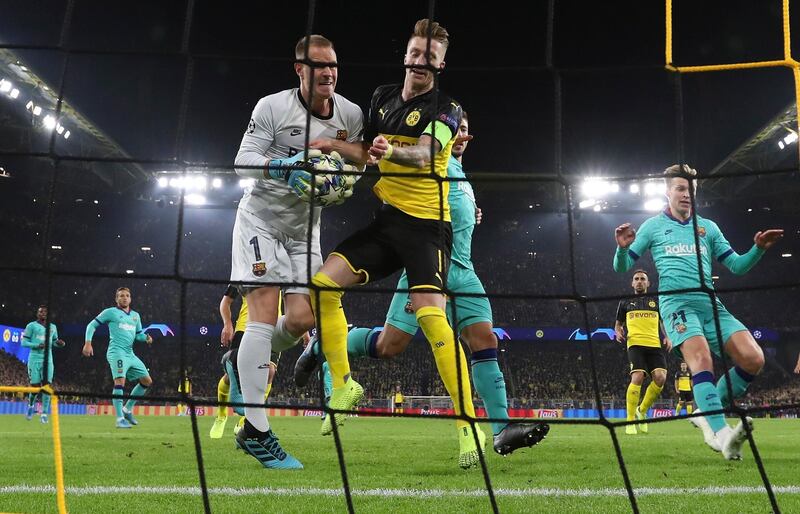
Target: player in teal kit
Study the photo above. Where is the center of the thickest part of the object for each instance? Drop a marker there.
(473, 318)
(35, 337)
(124, 328)
(689, 317)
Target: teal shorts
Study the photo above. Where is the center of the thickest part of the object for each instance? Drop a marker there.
(35, 371)
(687, 316)
(469, 309)
(126, 365)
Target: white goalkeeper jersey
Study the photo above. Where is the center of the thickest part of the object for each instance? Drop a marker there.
(277, 130)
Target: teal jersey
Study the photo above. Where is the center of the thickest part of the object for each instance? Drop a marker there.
(462, 214)
(34, 335)
(672, 245)
(123, 328)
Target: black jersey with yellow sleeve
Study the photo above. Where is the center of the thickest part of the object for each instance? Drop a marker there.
(684, 380)
(402, 123)
(640, 317)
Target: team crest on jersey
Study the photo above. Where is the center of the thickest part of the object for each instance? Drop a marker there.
(652, 304)
(680, 328)
(701, 231)
(413, 118)
(341, 135)
(259, 269)
(251, 127)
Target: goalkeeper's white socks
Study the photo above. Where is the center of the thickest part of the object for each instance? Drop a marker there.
(253, 364)
(282, 340)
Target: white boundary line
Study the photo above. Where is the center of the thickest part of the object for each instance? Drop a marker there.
(415, 493)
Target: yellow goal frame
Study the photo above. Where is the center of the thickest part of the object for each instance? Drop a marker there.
(55, 423)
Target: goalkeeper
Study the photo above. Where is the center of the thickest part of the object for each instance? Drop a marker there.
(35, 338)
(271, 243)
(689, 318)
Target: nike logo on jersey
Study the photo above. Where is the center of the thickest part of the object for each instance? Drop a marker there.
(296, 132)
(264, 366)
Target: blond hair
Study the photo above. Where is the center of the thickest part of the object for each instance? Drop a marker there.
(681, 171)
(438, 33)
(313, 40)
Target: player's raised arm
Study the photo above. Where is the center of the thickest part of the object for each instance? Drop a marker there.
(631, 244)
(741, 264)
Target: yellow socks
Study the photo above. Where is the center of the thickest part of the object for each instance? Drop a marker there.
(223, 390)
(689, 408)
(650, 396)
(632, 400)
(332, 328)
(678, 407)
(434, 325)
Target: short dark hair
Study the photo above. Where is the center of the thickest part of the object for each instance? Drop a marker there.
(640, 270)
(123, 288)
(313, 40)
(464, 116)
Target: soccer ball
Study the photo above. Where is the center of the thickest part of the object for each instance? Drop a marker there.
(331, 189)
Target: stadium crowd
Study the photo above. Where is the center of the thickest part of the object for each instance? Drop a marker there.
(517, 251)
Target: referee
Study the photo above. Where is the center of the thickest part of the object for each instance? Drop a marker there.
(638, 323)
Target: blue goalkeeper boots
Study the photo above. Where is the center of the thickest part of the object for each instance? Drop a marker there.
(519, 435)
(265, 448)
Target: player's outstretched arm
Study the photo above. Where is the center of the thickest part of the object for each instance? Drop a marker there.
(741, 264)
(625, 236)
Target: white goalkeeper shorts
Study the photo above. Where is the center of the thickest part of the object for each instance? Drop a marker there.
(264, 255)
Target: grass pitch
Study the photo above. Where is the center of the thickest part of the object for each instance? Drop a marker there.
(393, 465)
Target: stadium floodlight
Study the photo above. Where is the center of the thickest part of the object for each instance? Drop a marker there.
(37, 110)
(216, 183)
(786, 255)
(145, 248)
(195, 199)
(585, 204)
(14, 93)
(781, 145)
(55, 247)
(129, 271)
(654, 204)
(60, 129)
(49, 122)
(614, 187)
(201, 183)
(246, 182)
(634, 188)
(597, 208)
(67, 134)
(174, 182)
(790, 138)
(163, 182)
(29, 105)
(5, 86)
(595, 187)
(654, 188)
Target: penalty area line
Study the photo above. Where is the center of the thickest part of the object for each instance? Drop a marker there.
(416, 493)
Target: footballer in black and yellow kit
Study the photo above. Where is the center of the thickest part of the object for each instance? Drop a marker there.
(639, 323)
(683, 386)
(409, 134)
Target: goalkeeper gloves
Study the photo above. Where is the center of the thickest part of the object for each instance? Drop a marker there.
(292, 170)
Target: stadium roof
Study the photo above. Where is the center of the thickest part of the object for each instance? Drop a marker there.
(27, 126)
(773, 147)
